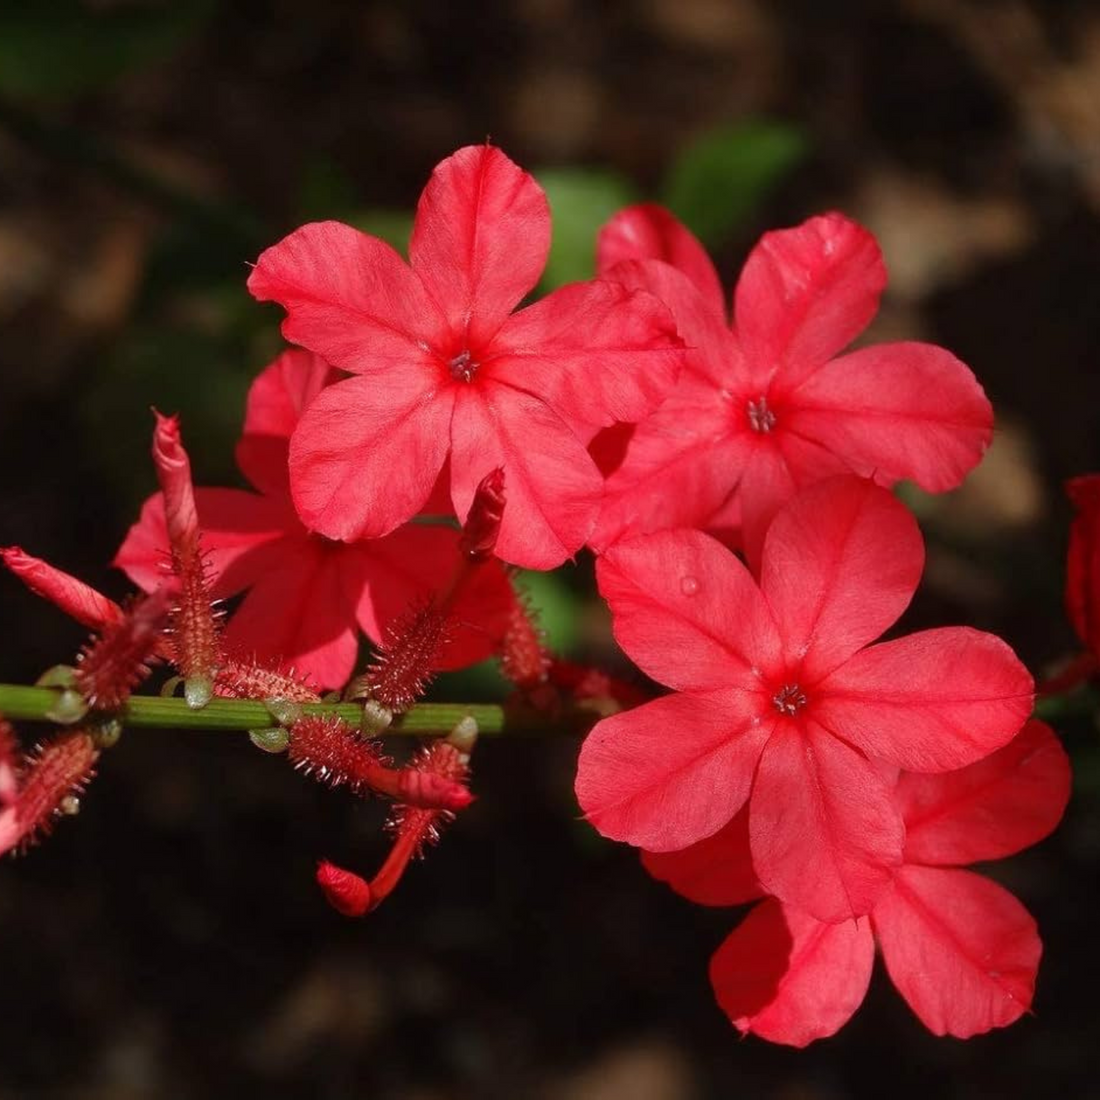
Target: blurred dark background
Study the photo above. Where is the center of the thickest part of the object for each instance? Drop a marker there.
(169, 942)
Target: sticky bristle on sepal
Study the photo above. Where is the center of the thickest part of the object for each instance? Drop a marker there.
(195, 620)
(329, 750)
(252, 680)
(51, 775)
(524, 658)
(439, 759)
(112, 665)
(407, 661)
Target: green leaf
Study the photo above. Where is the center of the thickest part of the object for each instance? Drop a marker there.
(581, 200)
(717, 181)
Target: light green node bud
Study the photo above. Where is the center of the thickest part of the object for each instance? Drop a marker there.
(60, 676)
(376, 718)
(273, 740)
(168, 688)
(107, 734)
(68, 708)
(285, 711)
(198, 691)
(464, 735)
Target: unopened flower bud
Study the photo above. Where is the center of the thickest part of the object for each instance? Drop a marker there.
(78, 600)
(344, 890)
(482, 526)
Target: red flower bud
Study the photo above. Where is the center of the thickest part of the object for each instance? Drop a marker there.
(443, 765)
(196, 640)
(344, 890)
(479, 533)
(78, 600)
(174, 473)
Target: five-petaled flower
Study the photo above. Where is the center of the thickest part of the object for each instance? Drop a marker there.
(779, 694)
(447, 373)
(308, 595)
(766, 408)
(962, 951)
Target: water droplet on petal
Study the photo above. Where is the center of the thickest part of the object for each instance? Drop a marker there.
(689, 586)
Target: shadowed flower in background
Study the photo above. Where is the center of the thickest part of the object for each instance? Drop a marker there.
(308, 596)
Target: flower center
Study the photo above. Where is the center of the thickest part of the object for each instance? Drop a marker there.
(789, 699)
(462, 366)
(761, 418)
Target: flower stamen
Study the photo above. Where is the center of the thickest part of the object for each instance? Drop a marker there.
(761, 418)
(789, 699)
(462, 366)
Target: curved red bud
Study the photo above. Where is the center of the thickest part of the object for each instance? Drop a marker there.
(344, 890)
(479, 532)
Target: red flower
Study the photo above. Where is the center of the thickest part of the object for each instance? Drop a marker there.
(777, 695)
(765, 409)
(446, 370)
(1083, 562)
(962, 951)
(308, 595)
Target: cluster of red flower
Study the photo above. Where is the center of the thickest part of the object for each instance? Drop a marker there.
(794, 759)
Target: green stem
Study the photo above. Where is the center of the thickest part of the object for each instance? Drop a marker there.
(153, 711)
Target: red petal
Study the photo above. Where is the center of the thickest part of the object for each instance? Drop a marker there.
(406, 568)
(714, 871)
(712, 352)
(688, 613)
(233, 524)
(841, 562)
(1083, 561)
(789, 978)
(670, 772)
(994, 808)
(897, 411)
(276, 401)
(299, 613)
(649, 232)
(824, 829)
(929, 702)
(777, 468)
(804, 294)
(367, 452)
(480, 240)
(350, 298)
(680, 466)
(595, 352)
(960, 949)
(553, 484)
